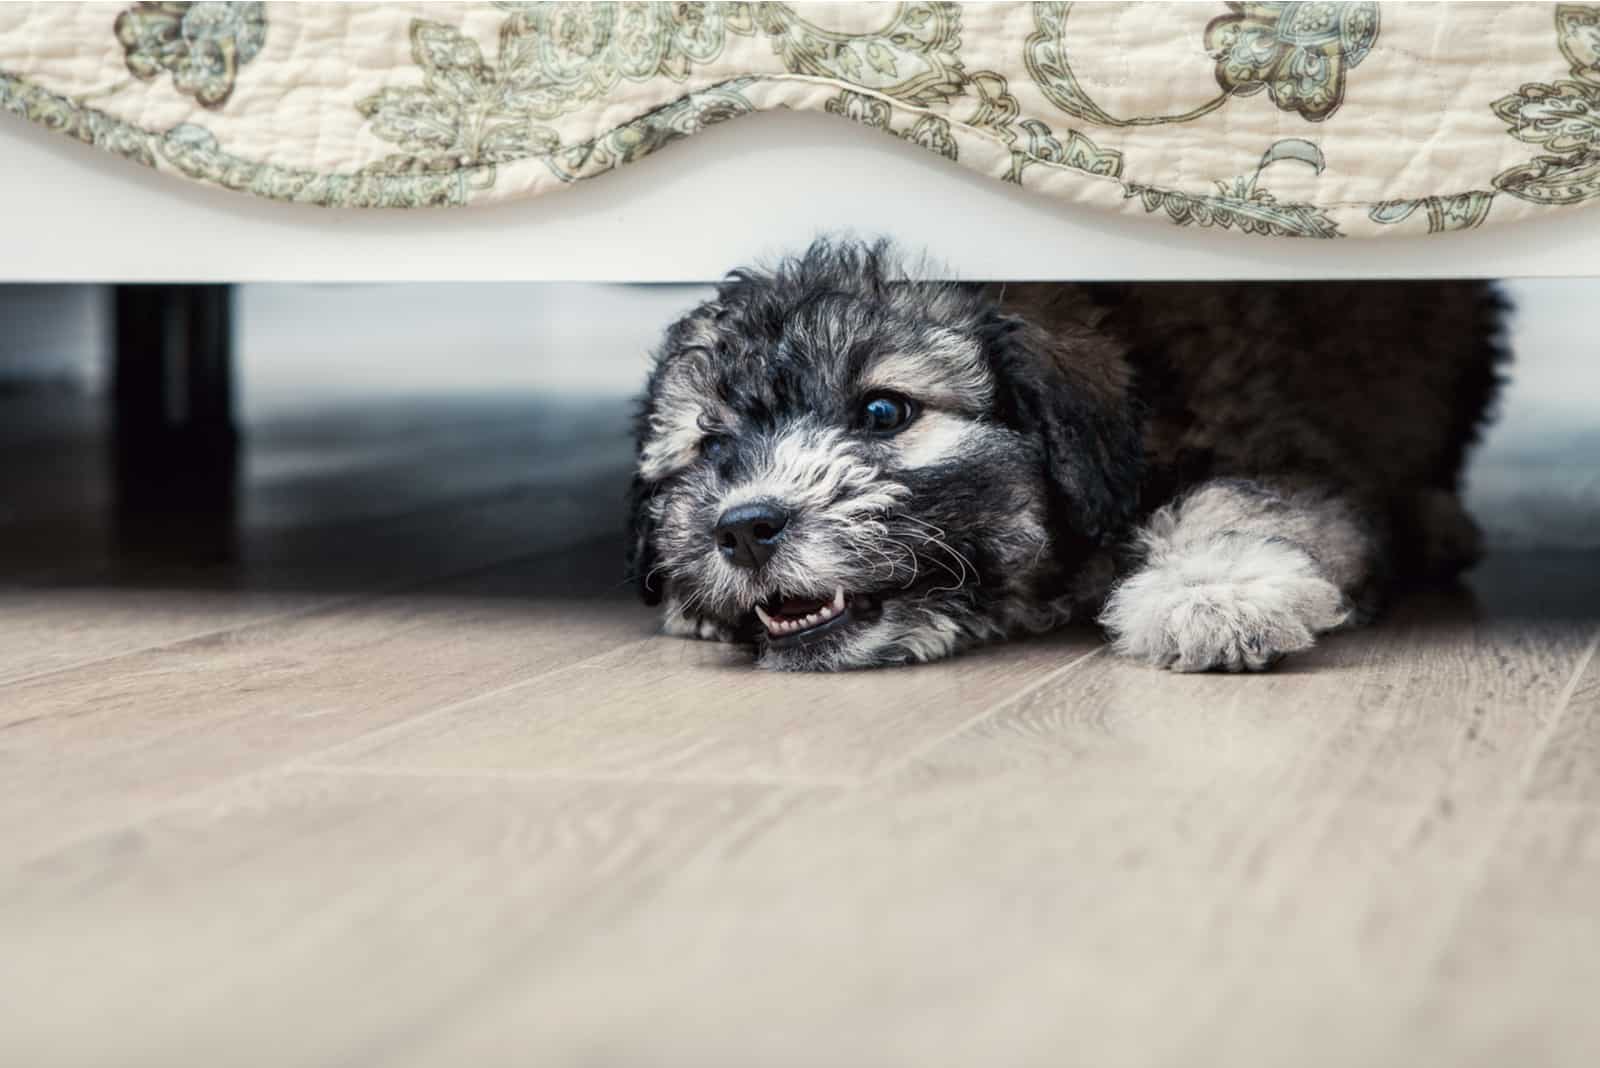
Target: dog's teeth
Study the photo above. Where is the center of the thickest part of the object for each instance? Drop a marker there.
(778, 625)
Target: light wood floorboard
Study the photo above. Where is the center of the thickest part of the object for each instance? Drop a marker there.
(693, 710)
(411, 782)
(387, 900)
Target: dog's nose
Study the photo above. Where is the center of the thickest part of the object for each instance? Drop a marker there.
(748, 534)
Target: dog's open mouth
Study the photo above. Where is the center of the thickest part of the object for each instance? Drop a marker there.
(794, 621)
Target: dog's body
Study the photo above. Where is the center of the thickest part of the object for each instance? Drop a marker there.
(844, 468)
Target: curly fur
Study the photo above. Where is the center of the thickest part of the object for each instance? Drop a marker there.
(1234, 603)
(1223, 472)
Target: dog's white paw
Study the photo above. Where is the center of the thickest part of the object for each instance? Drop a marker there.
(1234, 602)
(679, 624)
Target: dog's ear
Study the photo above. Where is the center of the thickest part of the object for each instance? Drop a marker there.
(641, 551)
(657, 435)
(1069, 385)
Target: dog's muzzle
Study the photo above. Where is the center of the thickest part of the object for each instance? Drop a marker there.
(747, 536)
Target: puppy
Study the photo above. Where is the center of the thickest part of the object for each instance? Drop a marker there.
(842, 466)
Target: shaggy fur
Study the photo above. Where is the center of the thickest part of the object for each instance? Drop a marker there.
(1220, 472)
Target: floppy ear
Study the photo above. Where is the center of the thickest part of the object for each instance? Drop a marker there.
(689, 332)
(1070, 387)
(641, 552)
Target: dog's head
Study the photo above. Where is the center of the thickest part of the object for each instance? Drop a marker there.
(846, 467)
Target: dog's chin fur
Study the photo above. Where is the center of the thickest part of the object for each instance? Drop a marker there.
(888, 629)
(1046, 425)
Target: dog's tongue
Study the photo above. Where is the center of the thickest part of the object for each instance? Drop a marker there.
(800, 606)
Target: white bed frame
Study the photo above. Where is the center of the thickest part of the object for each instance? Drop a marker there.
(72, 213)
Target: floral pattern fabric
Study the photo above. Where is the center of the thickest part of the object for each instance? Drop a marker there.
(202, 44)
(1298, 52)
(1313, 119)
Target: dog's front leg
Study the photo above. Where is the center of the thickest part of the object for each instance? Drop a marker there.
(1236, 574)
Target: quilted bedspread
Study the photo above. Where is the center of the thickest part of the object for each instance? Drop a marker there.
(1290, 119)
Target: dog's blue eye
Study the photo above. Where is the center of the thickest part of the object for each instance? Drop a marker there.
(884, 413)
(713, 446)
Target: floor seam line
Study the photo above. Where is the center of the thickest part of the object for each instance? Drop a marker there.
(341, 602)
(336, 604)
(924, 749)
(511, 775)
(284, 767)
(1512, 799)
(456, 706)
(1570, 690)
(1558, 716)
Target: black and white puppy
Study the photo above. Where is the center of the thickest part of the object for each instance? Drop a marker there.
(843, 466)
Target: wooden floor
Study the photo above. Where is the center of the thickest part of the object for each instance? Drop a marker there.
(408, 781)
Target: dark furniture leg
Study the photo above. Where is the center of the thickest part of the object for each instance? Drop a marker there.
(176, 445)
